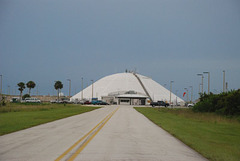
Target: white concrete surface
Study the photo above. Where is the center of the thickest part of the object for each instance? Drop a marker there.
(131, 136)
(128, 135)
(48, 141)
(126, 82)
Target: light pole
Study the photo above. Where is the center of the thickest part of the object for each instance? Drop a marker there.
(202, 81)
(176, 97)
(16, 90)
(171, 91)
(37, 91)
(8, 90)
(191, 92)
(208, 81)
(69, 86)
(1, 86)
(82, 88)
(57, 92)
(92, 89)
(187, 93)
(226, 86)
(223, 80)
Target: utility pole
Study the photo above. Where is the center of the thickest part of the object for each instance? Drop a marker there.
(170, 92)
(176, 97)
(208, 81)
(1, 87)
(82, 88)
(8, 90)
(223, 80)
(202, 80)
(199, 87)
(187, 93)
(191, 92)
(69, 87)
(226, 86)
(92, 89)
(37, 91)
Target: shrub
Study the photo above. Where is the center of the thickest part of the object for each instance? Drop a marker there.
(25, 96)
(224, 103)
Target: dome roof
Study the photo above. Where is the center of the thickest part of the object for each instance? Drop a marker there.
(122, 83)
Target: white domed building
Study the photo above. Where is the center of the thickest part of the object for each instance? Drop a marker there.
(127, 88)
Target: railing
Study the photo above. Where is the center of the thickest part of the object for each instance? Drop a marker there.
(143, 86)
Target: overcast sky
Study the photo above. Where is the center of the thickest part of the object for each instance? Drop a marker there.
(49, 40)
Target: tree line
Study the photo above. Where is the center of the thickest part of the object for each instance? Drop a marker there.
(31, 84)
(226, 103)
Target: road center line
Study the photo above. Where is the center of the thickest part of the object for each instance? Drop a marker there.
(100, 125)
(86, 143)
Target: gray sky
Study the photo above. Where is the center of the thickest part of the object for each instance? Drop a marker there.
(50, 40)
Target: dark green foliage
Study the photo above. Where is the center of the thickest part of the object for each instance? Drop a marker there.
(2, 101)
(224, 103)
(30, 85)
(21, 86)
(25, 96)
(58, 85)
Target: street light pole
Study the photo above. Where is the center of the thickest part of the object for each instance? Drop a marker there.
(8, 90)
(208, 81)
(191, 92)
(176, 97)
(226, 86)
(223, 80)
(187, 93)
(92, 89)
(1, 87)
(171, 91)
(202, 81)
(69, 87)
(82, 88)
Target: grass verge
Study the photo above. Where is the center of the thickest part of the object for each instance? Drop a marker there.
(15, 117)
(215, 137)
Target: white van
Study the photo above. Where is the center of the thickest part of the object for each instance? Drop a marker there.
(32, 100)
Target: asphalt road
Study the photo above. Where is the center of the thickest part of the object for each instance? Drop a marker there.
(110, 133)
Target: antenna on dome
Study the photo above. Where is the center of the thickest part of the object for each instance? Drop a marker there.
(135, 70)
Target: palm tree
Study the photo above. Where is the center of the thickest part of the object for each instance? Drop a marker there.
(30, 85)
(58, 85)
(21, 86)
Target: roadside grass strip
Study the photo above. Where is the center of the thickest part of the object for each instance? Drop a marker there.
(77, 147)
(215, 137)
(19, 117)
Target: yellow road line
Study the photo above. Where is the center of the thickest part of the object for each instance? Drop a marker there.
(86, 143)
(80, 140)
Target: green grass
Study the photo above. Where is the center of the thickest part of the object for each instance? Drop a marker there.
(14, 117)
(215, 137)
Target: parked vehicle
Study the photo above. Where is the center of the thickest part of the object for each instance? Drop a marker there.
(102, 103)
(159, 103)
(66, 100)
(32, 100)
(15, 100)
(94, 102)
(190, 105)
(53, 101)
(56, 101)
(79, 102)
(99, 102)
(87, 102)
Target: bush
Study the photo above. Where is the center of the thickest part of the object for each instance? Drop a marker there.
(224, 103)
(25, 96)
